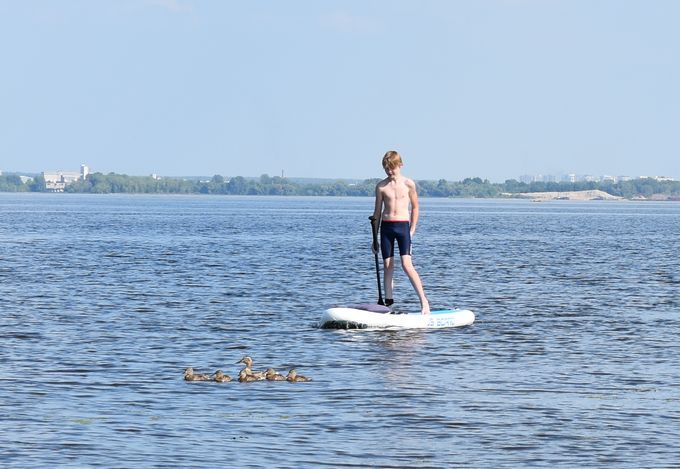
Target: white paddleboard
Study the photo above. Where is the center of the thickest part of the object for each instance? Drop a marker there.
(354, 318)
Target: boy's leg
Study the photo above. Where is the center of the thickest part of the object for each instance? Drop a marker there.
(389, 278)
(407, 265)
(387, 248)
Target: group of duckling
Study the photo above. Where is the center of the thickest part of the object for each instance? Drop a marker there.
(246, 375)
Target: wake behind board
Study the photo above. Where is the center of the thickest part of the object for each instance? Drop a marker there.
(379, 317)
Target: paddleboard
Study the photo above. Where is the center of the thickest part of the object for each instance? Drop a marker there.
(380, 317)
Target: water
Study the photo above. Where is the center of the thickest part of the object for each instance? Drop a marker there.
(106, 299)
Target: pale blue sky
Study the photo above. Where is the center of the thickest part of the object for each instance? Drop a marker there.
(322, 88)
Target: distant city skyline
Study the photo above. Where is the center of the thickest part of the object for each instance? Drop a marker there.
(574, 177)
(491, 89)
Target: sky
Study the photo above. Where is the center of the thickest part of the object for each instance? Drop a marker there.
(309, 88)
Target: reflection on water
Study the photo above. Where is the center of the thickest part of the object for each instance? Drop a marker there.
(395, 356)
(106, 299)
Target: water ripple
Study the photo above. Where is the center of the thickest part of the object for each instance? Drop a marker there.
(107, 299)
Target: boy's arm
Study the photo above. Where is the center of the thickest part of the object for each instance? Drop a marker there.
(378, 204)
(415, 211)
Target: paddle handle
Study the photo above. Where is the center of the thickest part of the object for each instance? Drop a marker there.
(374, 229)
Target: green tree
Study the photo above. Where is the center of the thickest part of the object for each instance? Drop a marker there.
(12, 183)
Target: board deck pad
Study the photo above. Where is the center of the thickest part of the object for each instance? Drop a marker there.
(373, 307)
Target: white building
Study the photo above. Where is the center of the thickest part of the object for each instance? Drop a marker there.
(56, 181)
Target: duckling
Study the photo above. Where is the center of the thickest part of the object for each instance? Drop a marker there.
(189, 375)
(258, 375)
(249, 365)
(293, 377)
(272, 375)
(244, 377)
(221, 377)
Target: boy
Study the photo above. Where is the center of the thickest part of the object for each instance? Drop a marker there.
(393, 195)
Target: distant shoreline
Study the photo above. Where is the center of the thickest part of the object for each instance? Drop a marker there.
(98, 183)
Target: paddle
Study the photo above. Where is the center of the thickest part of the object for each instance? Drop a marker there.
(374, 227)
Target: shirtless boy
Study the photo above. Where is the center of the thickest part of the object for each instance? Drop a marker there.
(393, 196)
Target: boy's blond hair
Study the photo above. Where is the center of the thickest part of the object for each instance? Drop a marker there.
(391, 160)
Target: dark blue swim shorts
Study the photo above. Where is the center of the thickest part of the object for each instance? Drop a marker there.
(395, 230)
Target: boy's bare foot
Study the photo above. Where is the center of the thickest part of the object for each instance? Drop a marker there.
(425, 309)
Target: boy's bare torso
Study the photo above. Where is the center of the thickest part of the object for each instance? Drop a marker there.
(396, 198)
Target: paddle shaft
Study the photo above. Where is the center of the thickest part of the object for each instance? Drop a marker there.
(374, 228)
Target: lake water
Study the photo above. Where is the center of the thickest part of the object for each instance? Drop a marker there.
(106, 299)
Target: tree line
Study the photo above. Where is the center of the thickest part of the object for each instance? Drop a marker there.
(98, 183)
